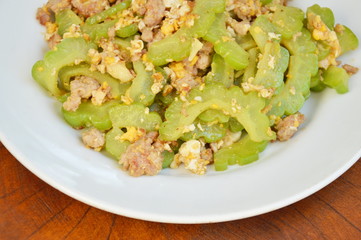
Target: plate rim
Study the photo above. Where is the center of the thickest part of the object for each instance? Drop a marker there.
(18, 155)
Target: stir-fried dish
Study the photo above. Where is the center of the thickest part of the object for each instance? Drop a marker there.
(163, 83)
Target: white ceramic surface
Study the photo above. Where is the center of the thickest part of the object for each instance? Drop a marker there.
(32, 129)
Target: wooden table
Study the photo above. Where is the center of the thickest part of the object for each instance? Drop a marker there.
(31, 209)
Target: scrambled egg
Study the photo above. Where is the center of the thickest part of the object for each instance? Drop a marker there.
(172, 3)
(196, 47)
(177, 15)
(245, 9)
(51, 29)
(241, 28)
(138, 5)
(74, 31)
(226, 141)
(262, 91)
(158, 82)
(110, 61)
(137, 46)
(323, 33)
(178, 69)
(190, 155)
(132, 135)
(126, 18)
(99, 96)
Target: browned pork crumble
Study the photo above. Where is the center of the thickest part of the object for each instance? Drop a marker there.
(288, 126)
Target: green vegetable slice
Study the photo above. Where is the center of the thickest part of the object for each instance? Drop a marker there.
(317, 84)
(127, 31)
(123, 43)
(287, 20)
(98, 31)
(246, 108)
(264, 2)
(88, 115)
(297, 86)
(213, 115)
(325, 13)
(100, 17)
(234, 125)
(68, 72)
(251, 69)
(262, 31)
(65, 19)
(221, 72)
(177, 46)
(272, 66)
(114, 145)
(246, 42)
(167, 159)
(300, 43)
(320, 22)
(209, 132)
(140, 90)
(348, 40)
(45, 71)
(135, 115)
(125, 116)
(337, 78)
(225, 45)
(243, 152)
(205, 11)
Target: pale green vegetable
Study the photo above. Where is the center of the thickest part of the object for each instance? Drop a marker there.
(70, 50)
(109, 12)
(221, 72)
(177, 46)
(337, 78)
(287, 20)
(225, 45)
(347, 39)
(140, 90)
(88, 115)
(251, 69)
(297, 87)
(135, 115)
(209, 132)
(67, 73)
(213, 115)
(272, 66)
(65, 19)
(245, 108)
(125, 116)
(114, 145)
(243, 152)
(246, 42)
(300, 43)
(262, 31)
(325, 13)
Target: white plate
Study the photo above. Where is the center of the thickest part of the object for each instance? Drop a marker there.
(32, 129)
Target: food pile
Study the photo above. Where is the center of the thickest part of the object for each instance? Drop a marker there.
(163, 83)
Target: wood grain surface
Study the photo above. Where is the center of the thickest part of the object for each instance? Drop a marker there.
(31, 209)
